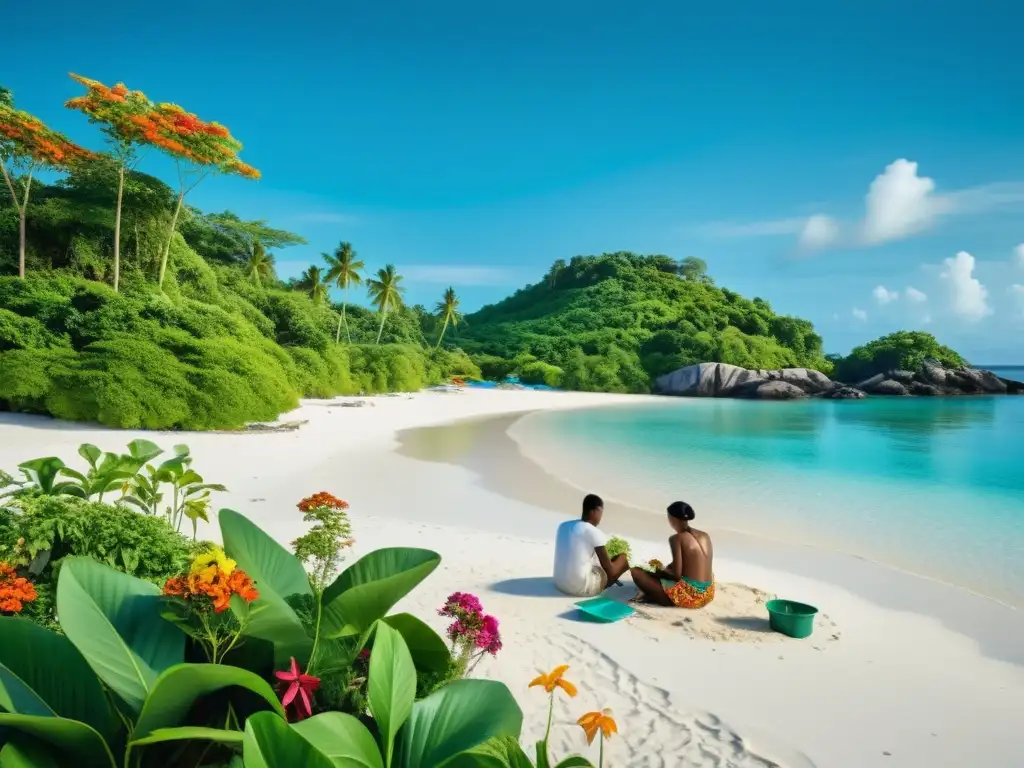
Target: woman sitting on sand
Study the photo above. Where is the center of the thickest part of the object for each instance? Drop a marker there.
(689, 580)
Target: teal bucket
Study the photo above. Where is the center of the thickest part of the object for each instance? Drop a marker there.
(791, 618)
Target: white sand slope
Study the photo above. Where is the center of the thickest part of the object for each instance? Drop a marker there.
(875, 685)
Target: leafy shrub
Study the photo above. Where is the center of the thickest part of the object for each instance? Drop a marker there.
(904, 350)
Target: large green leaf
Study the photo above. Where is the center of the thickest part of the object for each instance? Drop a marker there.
(429, 651)
(271, 619)
(17, 696)
(114, 620)
(459, 717)
(269, 742)
(189, 733)
(391, 689)
(370, 587)
(495, 753)
(269, 564)
(55, 670)
(178, 688)
(26, 752)
(342, 738)
(79, 743)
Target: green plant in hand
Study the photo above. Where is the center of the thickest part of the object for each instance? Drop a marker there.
(320, 549)
(618, 546)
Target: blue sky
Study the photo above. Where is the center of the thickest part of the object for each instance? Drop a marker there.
(827, 159)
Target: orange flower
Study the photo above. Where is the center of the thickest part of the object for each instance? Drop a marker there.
(593, 722)
(554, 680)
(213, 584)
(321, 499)
(15, 591)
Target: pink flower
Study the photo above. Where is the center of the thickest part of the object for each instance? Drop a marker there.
(488, 638)
(298, 690)
(461, 603)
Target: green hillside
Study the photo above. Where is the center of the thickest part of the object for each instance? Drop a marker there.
(617, 321)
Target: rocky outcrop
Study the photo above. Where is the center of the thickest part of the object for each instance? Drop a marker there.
(723, 380)
(931, 380)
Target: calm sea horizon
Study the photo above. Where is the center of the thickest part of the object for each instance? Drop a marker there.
(930, 485)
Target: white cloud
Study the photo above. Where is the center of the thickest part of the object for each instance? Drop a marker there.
(1018, 253)
(884, 296)
(819, 231)
(968, 297)
(859, 314)
(900, 203)
(915, 296)
(447, 274)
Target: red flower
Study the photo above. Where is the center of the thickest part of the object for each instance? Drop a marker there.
(298, 690)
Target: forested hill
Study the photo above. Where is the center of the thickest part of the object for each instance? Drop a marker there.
(615, 322)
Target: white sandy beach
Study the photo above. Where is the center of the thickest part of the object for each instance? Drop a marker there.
(889, 678)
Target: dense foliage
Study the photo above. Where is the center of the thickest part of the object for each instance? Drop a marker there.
(903, 350)
(617, 321)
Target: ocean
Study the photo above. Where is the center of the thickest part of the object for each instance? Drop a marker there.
(930, 485)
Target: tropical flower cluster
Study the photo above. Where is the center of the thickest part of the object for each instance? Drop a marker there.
(473, 633)
(593, 723)
(15, 590)
(132, 117)
(28, 137)
(211, 581)
(320, 549)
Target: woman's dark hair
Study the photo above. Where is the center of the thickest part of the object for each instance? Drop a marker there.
(680, 510)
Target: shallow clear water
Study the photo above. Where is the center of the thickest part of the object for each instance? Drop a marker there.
(933, 485)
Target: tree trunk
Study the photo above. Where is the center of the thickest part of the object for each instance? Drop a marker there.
(337, 332)
(21, 243)
(344, 318)
(383, 317)
(117, 228)
(170, 237)
(443, 329)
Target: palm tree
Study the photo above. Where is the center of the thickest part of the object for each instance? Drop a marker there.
(260, 263)
(312, 282)
(385, 293)
(448, 308)
(343, 270)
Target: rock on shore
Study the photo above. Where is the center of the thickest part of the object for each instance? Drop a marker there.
(932, 379)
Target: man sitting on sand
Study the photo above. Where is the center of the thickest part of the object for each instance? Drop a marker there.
(582, 565)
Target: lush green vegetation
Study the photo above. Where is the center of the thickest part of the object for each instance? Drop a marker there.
(903, 350)
(617, 321)
(124, 644)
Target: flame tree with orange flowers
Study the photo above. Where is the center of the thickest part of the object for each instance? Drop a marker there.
(27, 145)
(121, 113)
(199, 148)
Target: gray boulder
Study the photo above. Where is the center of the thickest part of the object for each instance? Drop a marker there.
(887, 387)
(771, 389)
(723, 380)
(842, 392)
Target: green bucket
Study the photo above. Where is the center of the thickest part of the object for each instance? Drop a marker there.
(791, 618)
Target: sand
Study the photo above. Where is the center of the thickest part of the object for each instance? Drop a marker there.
(890, 677)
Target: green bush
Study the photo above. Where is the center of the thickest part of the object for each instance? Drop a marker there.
(57, 527)
(904, 350)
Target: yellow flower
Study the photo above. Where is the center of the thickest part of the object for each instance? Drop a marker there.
(554, 680)
(602, 721)
(214, 556)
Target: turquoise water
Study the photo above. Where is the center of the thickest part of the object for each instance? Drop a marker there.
(932, 485)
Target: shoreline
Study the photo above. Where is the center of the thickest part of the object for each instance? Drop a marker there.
(487, 441)
(893, 686)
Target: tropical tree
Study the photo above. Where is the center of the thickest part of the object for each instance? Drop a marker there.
(343, 270)
(692, 268)
(198, 148)
(385, 293)
(448, 310)
(122, 115)
(260, 263)
(312, 282)
(6, 97)
(27, 145)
